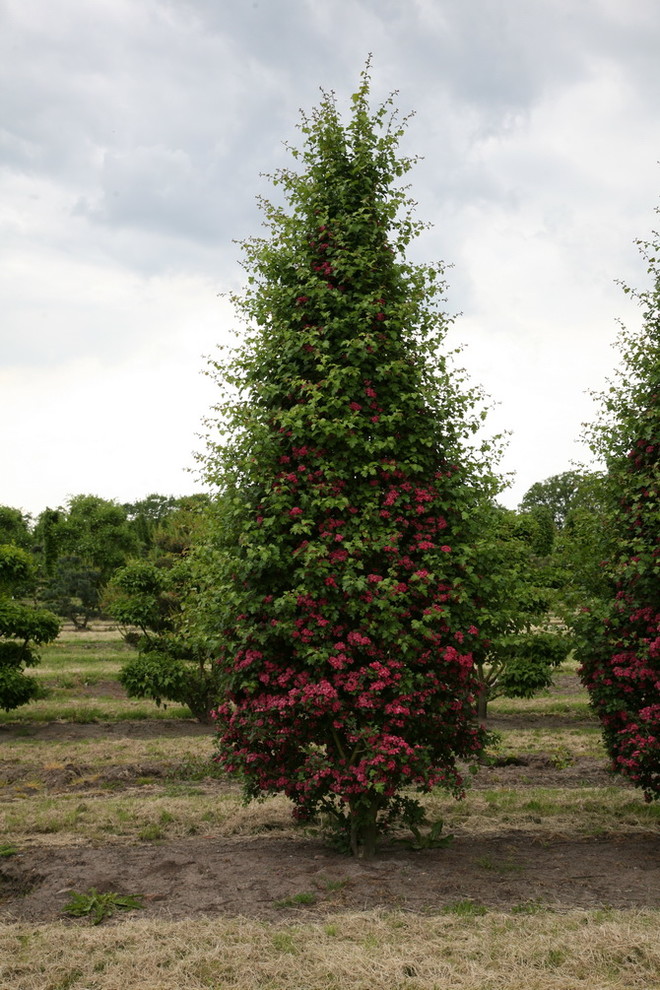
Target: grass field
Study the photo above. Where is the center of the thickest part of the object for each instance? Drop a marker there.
(77, 774)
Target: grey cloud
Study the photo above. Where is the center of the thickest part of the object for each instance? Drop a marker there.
(158, 115)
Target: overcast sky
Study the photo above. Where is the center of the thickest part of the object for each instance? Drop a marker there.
(132, 137)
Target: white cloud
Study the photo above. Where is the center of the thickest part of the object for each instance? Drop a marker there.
(116, 426)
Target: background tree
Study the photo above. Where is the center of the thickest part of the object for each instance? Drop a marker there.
(146, 516)
(556, 494)
(80, 546)
(521, 644)
(621, 644)
(147, 598)
(22, 629)
(14, 528)
(576, 565)
(338, 584)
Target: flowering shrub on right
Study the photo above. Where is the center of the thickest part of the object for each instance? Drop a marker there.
(621, 639)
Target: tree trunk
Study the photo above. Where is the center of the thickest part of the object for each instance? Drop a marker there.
(482, 704)
(364, 830)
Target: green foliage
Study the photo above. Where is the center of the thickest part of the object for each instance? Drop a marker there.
(138, 596)
(22, 629)
(620, 637)
(14, 528)
(99, 906)
(147, 515)
(556, 494)
(74, 591)
(16, 570)
(25, 623)
(431, 838)
(337, 582)
(296, 900)
(79, 548)
(578, 563)
(97, 531)
(48, 536)
(536, 528)
(189, 679)
(520, 645)
(147, 598)
(465, 909)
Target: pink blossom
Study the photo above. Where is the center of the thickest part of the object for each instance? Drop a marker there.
(295, 511)
(358, 639)
(423, 495)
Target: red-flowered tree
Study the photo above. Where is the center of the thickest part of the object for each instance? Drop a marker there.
(621, 638)
(339, 592)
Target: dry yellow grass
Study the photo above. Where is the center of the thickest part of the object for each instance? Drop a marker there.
(617, 950)
(76, 819)
(69, 819)
(97, 630)
(570, 743)
(555, 811)
(105, 750)
(69, 707)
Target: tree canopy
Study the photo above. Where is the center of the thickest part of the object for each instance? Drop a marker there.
(22, 629)
(621, 639)
(339, 583)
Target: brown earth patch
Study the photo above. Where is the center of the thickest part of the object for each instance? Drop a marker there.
(248, 875)
(207, 876)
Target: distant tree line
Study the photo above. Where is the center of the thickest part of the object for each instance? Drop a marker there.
(133, 563)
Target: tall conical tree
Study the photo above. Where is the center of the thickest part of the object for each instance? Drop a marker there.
(621, 644)
(344, 531)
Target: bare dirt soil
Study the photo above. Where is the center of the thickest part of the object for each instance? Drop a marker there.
(248, 876)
